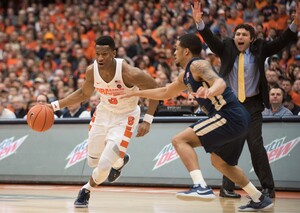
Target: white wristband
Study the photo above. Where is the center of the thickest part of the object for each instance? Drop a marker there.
(148, 118)
(55, 106)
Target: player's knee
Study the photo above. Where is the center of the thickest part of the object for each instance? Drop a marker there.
(176, 141)
(92, 162)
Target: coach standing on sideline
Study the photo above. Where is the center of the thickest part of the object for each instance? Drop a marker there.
(249, 74)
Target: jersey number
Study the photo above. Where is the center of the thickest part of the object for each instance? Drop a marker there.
(130, 120)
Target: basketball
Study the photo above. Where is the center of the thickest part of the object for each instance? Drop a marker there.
(40, 118)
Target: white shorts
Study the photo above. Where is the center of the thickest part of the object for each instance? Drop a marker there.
(107, 127)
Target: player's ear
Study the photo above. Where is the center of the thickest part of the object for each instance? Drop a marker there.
(186, 51)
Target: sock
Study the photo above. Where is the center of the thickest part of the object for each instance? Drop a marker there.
(198, 178)
(88, 186)
(252, 192)
(118, 164)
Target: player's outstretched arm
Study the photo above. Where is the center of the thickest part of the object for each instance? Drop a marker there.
(80, 94)
(160, 93)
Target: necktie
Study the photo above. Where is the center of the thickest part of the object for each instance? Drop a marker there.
(241, 79)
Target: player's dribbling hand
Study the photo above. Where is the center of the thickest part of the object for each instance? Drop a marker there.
(143, 129)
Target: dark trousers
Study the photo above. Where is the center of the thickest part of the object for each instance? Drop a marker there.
(256, 147)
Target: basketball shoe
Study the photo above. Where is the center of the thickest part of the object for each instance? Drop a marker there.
(264, 204)
(197, 192)
(115, 174)
(82, 200)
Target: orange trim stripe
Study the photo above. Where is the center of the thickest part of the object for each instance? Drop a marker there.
(128, 128)
(127, 134)
(122, 154)
(124, 144)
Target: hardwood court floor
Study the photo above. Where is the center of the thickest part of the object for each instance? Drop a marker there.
(117, 199)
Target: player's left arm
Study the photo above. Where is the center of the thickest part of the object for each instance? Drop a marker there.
(202, 69)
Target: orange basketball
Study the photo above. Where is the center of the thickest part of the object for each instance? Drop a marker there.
(40, 118)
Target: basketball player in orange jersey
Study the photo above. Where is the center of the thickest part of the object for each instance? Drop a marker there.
(115, 119)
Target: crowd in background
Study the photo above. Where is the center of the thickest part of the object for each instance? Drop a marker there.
(46, 46)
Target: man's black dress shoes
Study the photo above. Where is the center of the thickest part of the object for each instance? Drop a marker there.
(268, 192)
(228, 193)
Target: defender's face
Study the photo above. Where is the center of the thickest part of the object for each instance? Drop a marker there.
(178, 54)
(104, 56)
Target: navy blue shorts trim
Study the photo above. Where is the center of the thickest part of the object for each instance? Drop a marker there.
(223, 132)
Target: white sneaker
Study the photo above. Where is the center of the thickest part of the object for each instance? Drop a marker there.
(197, 192)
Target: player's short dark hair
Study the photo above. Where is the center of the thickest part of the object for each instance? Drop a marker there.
(192, 42)
(106, 40)
(248, 28)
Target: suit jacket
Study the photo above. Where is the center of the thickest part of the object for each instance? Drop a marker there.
(261, 49)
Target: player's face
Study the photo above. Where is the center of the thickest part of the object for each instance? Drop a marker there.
(242, 39)
(178, 54)
(105, 56)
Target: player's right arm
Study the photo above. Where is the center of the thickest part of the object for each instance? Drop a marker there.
(82, 93)
(161, 93)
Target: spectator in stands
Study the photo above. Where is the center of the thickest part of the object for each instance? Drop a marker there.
(268, 9)
(293, 52)
(17, 104)
(193, 102)
(250, 11)
(276, 101)
(26, 92)
(213, 59)
(285, 55)
(273, 64)
(76, 111)
(182, 99)
(121, 53)
(272, 78)
(42, 99)
(295, 93)
(42, 35)
(287, 85)
(288, 103)
(5, 113)
(93, 103)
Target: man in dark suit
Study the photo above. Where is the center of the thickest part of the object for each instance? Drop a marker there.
(254, 83)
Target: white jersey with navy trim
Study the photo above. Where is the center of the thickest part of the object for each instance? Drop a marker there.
(110, 92)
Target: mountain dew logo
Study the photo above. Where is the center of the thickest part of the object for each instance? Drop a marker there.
(9, 146)
(78, 154)
(278, 149)
(166, 155)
